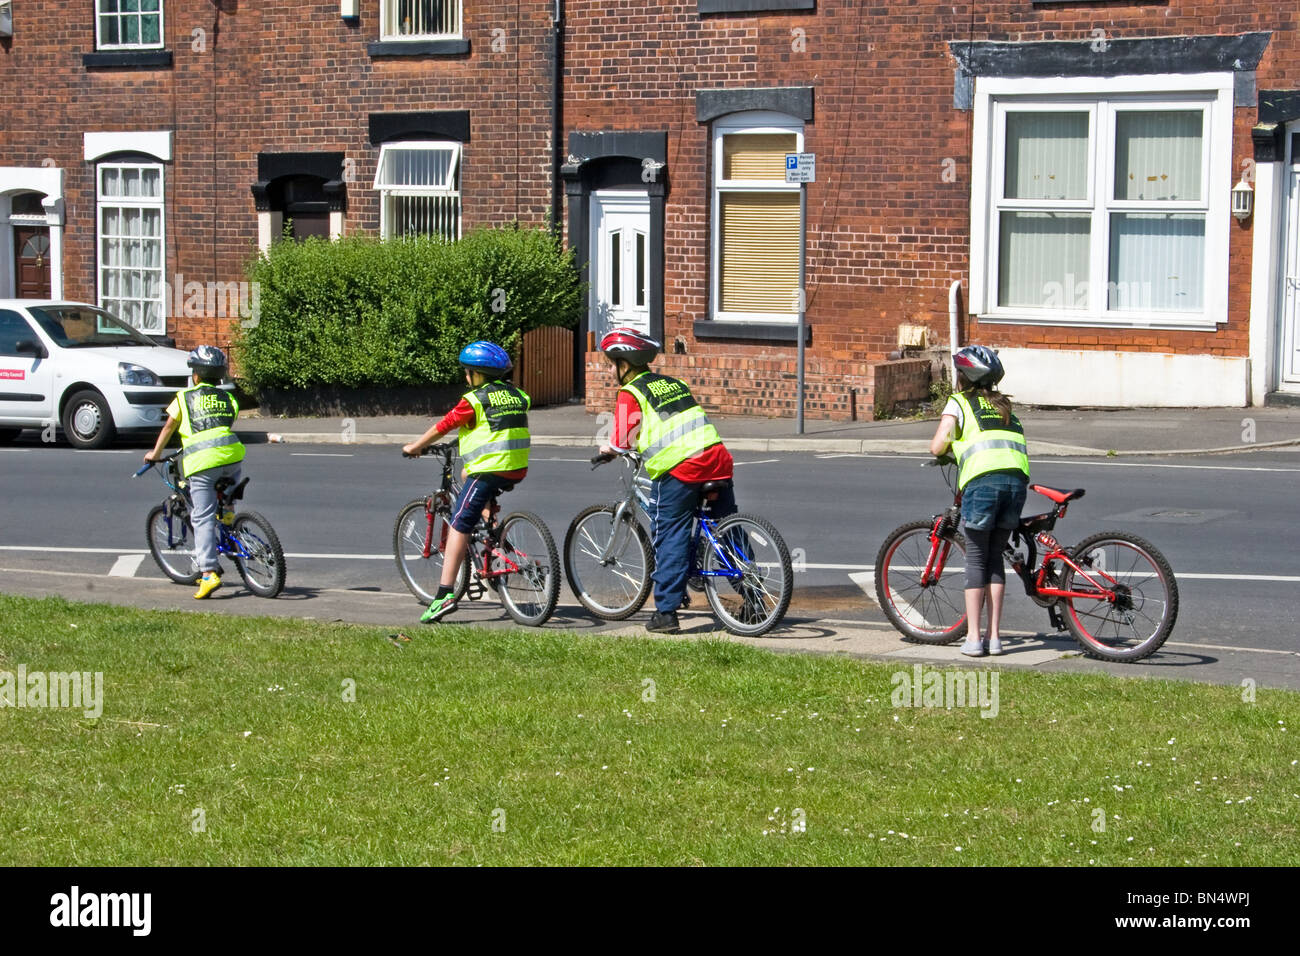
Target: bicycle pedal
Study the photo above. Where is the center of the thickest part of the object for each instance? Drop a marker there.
(475, 589)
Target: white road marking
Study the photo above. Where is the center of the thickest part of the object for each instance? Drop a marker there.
(761, 461)
(864, 568)
(1139, 464)
(125, 566)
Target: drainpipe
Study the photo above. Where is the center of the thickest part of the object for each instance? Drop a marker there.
(557, 119)
(954, 325)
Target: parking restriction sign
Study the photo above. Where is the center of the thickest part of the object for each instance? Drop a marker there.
(801, 167)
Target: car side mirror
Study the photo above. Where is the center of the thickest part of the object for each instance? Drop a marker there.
(31, 347)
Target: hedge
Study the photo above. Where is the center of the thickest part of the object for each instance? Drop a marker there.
(364, 312)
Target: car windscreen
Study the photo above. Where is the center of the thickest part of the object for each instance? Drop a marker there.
(80, 326)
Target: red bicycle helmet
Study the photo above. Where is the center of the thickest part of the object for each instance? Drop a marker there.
(630, 345)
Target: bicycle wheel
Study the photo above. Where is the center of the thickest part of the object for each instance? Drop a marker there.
(415, 524)
(171, 542)
(616, 587)
(528, 568)
(754, 603)
(1146, 605)
(261, 563)
(934, 613)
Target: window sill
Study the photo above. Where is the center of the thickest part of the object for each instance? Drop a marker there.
(145, 59)
(752, 331)
(1136, 323)
(752, 6)
(417, 48)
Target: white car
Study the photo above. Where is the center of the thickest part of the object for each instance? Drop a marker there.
(75, 366)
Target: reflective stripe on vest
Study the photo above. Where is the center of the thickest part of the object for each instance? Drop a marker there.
(498, 440)
(987, 444)
(207, 440)
(673, 426)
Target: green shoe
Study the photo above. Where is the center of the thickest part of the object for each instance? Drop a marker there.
(439, 609)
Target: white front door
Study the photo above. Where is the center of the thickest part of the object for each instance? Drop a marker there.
(1290, 337)
(620, 260)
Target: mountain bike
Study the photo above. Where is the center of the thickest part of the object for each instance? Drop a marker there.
(740, 562)
(1114, 591)
(245, 537)
(514, 557)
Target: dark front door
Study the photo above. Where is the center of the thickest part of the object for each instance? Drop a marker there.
(32, 261)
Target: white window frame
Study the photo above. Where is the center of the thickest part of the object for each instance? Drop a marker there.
(398, 37)
(751, 122)
(387, 192)
(134, 202)
(1102, 98)
(162, 29)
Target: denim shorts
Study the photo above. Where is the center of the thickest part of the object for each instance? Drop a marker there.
(474, 494)
(993, 501)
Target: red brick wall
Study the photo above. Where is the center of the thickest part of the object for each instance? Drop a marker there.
(768, 386)
(886, 233)
(275, 76)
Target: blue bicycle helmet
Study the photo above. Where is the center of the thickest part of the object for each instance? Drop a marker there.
(486, 357)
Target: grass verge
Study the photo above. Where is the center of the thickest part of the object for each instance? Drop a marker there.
(264, 742)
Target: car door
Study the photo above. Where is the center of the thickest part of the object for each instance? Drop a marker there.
(26, 380)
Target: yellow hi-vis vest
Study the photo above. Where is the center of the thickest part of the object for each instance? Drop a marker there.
(499, 439)
(207, 440)
(673, 426)
(986, 444)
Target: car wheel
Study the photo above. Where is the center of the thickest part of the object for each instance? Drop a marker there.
(9, 434)
(87, 422)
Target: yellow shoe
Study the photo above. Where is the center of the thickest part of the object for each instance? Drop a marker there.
(207, 584)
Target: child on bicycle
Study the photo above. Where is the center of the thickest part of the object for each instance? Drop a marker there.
(210, 451)
(681, 451)
(492, 419)
(988, 442)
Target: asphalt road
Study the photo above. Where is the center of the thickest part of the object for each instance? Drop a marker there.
(1227, 525)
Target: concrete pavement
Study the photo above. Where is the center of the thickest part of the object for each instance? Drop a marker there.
(1051, 432)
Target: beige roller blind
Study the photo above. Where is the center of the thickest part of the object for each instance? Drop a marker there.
(760, 251)
(757, 155)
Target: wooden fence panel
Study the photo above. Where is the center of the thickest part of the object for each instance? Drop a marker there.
(545, 366)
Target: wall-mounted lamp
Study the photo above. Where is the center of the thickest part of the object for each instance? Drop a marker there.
(350, 9)
(1243, 200)
(6, 18)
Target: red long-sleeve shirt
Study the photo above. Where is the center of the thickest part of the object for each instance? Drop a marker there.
(712, 464)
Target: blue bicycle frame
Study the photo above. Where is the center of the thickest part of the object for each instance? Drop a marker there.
(227, 543)
(638, 486)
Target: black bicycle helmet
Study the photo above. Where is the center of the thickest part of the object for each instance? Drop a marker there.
(979, 365)
(207, 356)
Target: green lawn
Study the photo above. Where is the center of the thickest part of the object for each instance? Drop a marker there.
(551, 737)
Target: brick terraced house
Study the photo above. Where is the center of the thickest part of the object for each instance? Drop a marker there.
(1108, 192)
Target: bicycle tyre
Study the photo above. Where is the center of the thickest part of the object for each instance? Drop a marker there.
(929, 615)
(540, 584)
(263, 571)
(1151, 590)
(587, 536)
(177, 563)
(422, 576)
(755, 587)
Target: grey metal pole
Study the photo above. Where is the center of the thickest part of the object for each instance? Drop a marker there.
(802, 300)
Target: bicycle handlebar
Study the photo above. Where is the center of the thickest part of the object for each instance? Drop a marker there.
(158, 461)
(442, 448)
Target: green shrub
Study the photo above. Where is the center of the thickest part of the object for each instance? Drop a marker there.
(363, 312)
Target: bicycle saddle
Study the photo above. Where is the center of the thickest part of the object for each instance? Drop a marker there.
(710, 489)
(1057, 495)
(233, 495)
